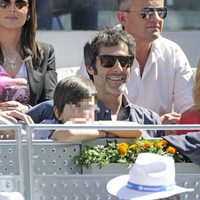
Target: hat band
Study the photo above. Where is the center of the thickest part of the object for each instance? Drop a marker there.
(147, 188)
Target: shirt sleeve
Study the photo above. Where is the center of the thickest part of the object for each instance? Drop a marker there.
(188, 144)
(184, 82)
(44, 134)
(41, 111)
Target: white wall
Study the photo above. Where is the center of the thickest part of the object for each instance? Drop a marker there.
(69, 45)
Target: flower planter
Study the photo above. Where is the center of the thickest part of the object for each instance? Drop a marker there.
(187, 168)
(111, 168)
(118, 168)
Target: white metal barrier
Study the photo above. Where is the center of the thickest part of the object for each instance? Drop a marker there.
(44, 170)
(11, 162)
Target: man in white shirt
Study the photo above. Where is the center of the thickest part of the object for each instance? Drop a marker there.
(161, 78)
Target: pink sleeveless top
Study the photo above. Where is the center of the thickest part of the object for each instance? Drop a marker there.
(14, 88)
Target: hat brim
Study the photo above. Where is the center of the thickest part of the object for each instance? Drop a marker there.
(117, 187)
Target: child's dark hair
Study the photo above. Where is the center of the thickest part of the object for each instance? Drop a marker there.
(71, 90)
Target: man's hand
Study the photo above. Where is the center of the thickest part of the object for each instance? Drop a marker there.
(170, 118)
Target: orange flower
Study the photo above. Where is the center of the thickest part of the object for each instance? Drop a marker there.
(164, 142)
(171, 150)
(123, 151)
(147, 144)
(122, 145)
(160, 144)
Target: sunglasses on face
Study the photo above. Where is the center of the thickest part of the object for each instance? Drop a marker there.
(148, 12)
(109, 61)
(19, 4)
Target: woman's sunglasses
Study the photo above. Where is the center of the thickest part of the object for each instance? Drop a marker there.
(148, 12)
(109, 61)
(19, 4)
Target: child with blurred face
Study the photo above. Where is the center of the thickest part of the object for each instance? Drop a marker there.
(74, 102)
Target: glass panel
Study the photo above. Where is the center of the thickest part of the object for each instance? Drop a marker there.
(182, 15)
(96, 14)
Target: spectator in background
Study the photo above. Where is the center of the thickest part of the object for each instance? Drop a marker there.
(161, 67)
(44, 11)
(193, 115)
(161, 76)
(84, 14)
(27, 67)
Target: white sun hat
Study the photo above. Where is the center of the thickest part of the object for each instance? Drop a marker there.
(152, 176)
(11, 196)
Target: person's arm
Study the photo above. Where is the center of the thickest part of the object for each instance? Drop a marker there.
(88, 134)
(41, 111)
(50, 78)
(188, 144)
(77, 135)
(184, 82)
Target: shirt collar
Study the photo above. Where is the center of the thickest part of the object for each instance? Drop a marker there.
(157, 49)
(105, 113)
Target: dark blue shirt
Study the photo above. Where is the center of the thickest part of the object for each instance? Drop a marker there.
(131, 112)
(41, 111)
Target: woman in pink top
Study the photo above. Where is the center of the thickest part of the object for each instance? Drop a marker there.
(27, 67)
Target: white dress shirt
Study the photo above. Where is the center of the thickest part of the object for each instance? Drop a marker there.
(167, 80)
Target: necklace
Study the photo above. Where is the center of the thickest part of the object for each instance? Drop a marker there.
(11, 59)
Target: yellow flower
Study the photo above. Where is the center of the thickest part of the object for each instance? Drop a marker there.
(171, 150)
(161, 144)
(123, 147)
(147, 144)
(123, 151)
(165, 143)
(133, 146)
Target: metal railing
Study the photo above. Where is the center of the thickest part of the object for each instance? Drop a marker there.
(44, 169)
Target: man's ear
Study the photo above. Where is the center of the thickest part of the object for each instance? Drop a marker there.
(90, 70)
(121, 16)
